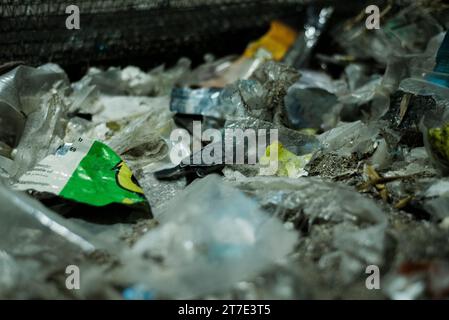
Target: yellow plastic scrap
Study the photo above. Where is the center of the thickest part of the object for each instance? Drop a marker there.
(288, 164)
(308, 131)
(277, 41)
(439, 140)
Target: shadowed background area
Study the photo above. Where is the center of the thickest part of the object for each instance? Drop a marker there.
(142, 33)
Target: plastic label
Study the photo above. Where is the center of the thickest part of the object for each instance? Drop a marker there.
(88, 172)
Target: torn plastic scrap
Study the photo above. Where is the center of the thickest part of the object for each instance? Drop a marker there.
(21, 211)
(336, 203)
(88, 172)
(29, 112)
(210, 231)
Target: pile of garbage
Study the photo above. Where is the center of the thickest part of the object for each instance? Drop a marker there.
(253, 176)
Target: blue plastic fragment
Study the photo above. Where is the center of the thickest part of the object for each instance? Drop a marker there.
(203, 101)
(136, 293)
(440, 74)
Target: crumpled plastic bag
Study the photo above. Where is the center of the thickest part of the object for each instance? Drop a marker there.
(37, 94)
(133, 81)
(211, 232)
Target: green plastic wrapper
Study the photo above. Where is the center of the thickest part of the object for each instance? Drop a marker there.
(87, 172)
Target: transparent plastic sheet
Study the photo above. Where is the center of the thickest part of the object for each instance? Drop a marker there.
(297, 142)
(311, 79)
(283, 196)
(21, 86)
(274, 284)
(405, 32)
(260, 96)
(275, 78)
(83, 99)
(416, 161)
(202, 242)
(413, 65)
(35, 94)
(356, 75)
(34, 243)
(358, 248)
(133, 81)
(437, 199)
(9, 274)
(240, 69)
(396, 46)
(236, 96)
(113, 109)
(422, 87)
(348, 138)
(145, 141)
(425, 62)
(20, 90)
(159, 193)
(209, 73)
(27, 214)
(360, 224)
(43, 132)
(427, 78)
(77, 127)
(7, 167)
(382, 157)
(309, 99)
(372, 92)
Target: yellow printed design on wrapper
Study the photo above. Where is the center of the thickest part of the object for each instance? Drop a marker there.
(277, 41)
(125, 178)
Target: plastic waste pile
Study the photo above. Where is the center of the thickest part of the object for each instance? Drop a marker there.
(134, 176)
